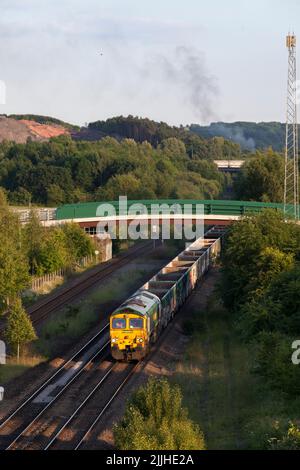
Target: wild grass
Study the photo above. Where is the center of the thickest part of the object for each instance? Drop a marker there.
(14, 369)
(234, 408)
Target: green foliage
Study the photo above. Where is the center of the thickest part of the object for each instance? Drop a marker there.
(62, 170)
(287, 438)
(54, 253)
(277, 309)
(19, 329)
(78, 244)
(155, 133)
(51, 249)
(155, 420)
(257, 249)
(261, 282)
(20, 197)
(272, 358)
(261, 178)
(55, 195)
(273, 433)
(13, 261)
(249, 135)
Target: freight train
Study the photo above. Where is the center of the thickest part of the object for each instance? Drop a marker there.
(138, 322)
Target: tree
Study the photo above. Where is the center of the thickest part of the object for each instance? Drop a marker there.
(155, 420)
(269, 263)
(244, 250)
(14, 275)
(33, 235)
(77, 242)
(54, 254)
(19, 329)
(275, 308)
(55, 195)
(21, 197)
(272, 360)
(261, 178)
(121, 185)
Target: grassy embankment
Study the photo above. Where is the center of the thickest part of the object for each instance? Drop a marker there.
(234, 407)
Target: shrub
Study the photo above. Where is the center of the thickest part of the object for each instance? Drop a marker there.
(289, 439)
(273, 361)
(154, 419)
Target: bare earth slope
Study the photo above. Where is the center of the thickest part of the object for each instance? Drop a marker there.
(20, 130)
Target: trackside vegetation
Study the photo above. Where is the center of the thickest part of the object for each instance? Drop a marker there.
(156, 420)
(261, 287)
(19, 327)
(27, 251)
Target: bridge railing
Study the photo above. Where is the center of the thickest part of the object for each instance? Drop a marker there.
(210, 207)
(44, 214)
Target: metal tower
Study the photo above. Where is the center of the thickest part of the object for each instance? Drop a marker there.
(291, 180)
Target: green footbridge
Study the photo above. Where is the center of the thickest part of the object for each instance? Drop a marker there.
(211, 207)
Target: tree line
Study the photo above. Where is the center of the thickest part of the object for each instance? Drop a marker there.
(143, 129)
(27, 251)
(250, 135)
(64, 171)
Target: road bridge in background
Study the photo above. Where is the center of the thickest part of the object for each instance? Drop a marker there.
(229, 166)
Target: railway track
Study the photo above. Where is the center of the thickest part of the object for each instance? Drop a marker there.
(90, 411)
(14, 427)
(41, 310)
(98, 383)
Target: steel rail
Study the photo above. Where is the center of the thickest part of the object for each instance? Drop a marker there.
(61, 368)
(84, 402)
(55, 398)
(106, 406)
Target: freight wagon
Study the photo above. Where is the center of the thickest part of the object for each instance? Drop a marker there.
(138, 322)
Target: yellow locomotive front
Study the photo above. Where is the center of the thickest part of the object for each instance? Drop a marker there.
(128, 335)
(132, 326)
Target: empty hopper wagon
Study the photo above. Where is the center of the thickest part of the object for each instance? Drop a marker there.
(138, 322)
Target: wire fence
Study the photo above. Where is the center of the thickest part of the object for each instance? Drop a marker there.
(38, 283)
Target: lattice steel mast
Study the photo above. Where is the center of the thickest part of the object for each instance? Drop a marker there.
(291, 180)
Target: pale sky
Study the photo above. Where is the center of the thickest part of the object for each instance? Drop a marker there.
(182, 62)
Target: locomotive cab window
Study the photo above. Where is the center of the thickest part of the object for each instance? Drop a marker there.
(136, 323)
(119, 323)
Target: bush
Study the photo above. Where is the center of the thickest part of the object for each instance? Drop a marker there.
(273, 360)
(289, 439)
(257, 249)
(154, 419)
(275, 309)
(273, 434)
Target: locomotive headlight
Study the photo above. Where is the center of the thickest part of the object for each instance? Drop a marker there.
(140, 340)
(114, 340)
